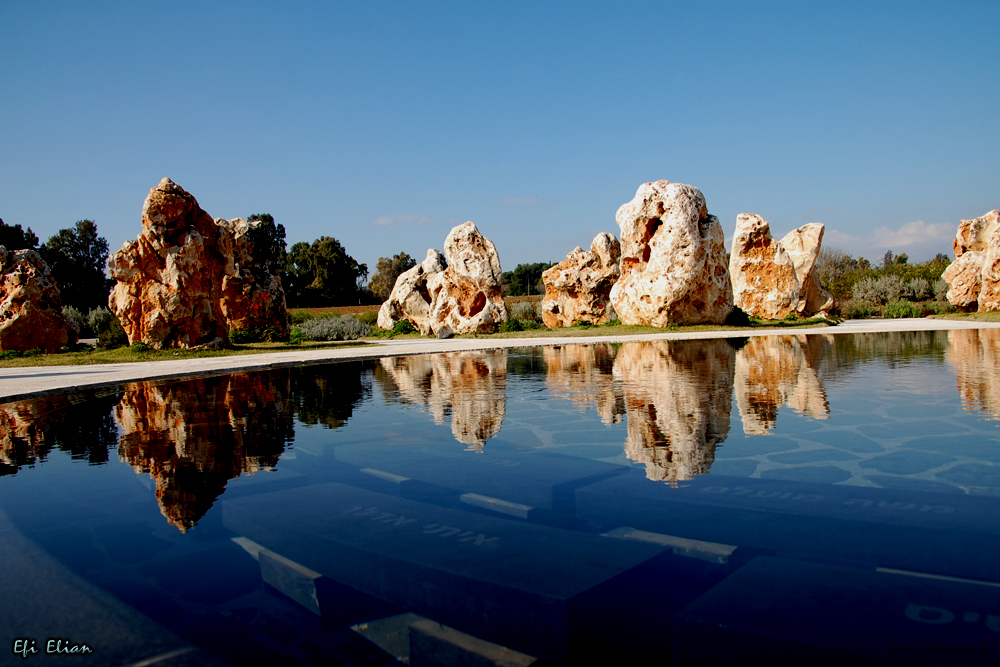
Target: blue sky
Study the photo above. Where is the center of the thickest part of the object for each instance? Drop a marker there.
(384, 124)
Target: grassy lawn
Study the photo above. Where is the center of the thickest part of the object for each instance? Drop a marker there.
(124, 355)
(993, 316)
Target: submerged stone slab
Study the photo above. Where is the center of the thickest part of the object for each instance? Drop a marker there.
(916, 530)
(538, 590)
(785, 612)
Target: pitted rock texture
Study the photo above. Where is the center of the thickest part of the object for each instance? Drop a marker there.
(459, 292)
(974, 277)
(772, 279)
(30, 305)
(673, 266)
(251, 293)
(578, 289)
(168, 289)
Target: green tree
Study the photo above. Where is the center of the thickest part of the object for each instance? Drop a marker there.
(268, 241)
(525, 279)
(323, 274)
(13, 237)
(77, 258)
(387, 271)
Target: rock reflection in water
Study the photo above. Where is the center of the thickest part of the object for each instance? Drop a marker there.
(772, 371)
(582, 374)
(79, 424)
(193, 437)
(678, 395)
(471, 387)
(975, 356)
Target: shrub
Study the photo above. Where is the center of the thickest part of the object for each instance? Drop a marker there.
(296, 337)
(920, 288)
(258, 335)
(583, 324)
(612, 323)
(334, 328)
(369, 317)
(901, 308)
(139, 346)
(100, 319)
(525, 311)
(112, 337)
(738, 318)
(856, 309)
(941, 307)
(240, 336)
(881, 290)
(941, 289)
(513, 324)
(403, 327)
(299, 316)
(75, 318)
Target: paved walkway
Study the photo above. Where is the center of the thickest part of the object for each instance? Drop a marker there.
(26, 382)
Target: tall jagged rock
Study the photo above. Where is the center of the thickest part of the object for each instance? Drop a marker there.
(772, 279)
(168, 289)
(30, 305)
(251, 293)
(974, 277)
(578, 289)
(458, 292)
(673, 266)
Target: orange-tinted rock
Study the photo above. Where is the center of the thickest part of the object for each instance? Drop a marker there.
(578, 289)
(965, 279)
(252, 296)
(678, 395)
(168, 289)
(975, 234)
(974, 277)
(410, 298)
(772, 279)
(674, 266)
(30, 305)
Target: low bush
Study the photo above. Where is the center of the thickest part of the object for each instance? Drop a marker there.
(299, 316)
(856, 309)
(258, 335)
(901, 308)
(100, 319)
(920, 288)
(940, 307)
(881, 290)
(369, 317)
(513, 324)
(334, 328)
(525, 311)
(612, 323)
(738, 318)
(113, 336)
(139, 347)
(75, 318)
(941, 290)
(296, 337)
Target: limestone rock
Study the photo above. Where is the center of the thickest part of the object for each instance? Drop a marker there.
(168, 289)
(974, 277)
(673, 266)
(678, 395)
(579, 288)
(773, 279)
(251, 296)
(30, 305)
(459, 291)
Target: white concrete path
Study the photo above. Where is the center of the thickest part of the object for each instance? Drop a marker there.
(25, 382)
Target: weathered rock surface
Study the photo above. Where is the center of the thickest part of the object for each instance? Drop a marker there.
(471, 387)
(974, 277)
(772, 371)
(458, 292)
(578, 289)
(673, 266)
(772, 279)
(30, 305)
(168, 289)
(251, 296)
(678, 395)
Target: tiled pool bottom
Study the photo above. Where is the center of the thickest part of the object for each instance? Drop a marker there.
(783, 500)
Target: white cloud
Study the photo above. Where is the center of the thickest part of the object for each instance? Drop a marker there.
(913, 233)
(918, 239)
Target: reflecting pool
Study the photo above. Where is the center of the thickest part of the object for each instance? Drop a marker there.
(775, 500)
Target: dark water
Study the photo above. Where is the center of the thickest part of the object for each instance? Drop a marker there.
(782, 500)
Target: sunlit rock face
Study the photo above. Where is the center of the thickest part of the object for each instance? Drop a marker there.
(772, 371)
(168, 281)
(674, 266)
(458, 292)
(974, 277)
(583, 374)
(975, 356)
(193, 437)
(251, 293)
(578, 289)
(678, 395)
(30, 305)
(772, 279)
(471, 387)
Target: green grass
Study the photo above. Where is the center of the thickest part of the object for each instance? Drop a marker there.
(993, 316)
(126, 355)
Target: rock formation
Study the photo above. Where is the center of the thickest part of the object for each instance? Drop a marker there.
(458, 292)
(678, 395)
(772, 371)
(30, 306)
(193, 437)
(582, 374)
(975, 356)
(252, 296)
(773, 279)
(673, 266)
(578, 289)
(168, 289)
(471, 387)
(974, 277)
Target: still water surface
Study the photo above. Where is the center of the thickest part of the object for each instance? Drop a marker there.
(718, 501)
